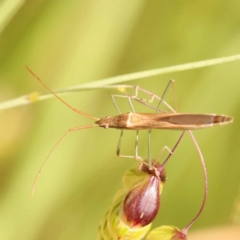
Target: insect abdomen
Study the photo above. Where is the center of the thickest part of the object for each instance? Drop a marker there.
(194, 121)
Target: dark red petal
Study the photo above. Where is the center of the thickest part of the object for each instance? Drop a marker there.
(141, 204)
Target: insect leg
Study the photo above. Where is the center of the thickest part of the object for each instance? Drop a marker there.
(137, 132)
(121, 134)
(115, 103)
(165, 148)
(161, 101)
(134, 96)
(128, 156)
(149, 149)
(171, 82)
(147, 102)
(153, 97)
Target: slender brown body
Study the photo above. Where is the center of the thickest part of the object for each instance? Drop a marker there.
(141, 121)
(177, 121)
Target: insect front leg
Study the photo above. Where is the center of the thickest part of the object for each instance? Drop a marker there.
(137, 89)
(146, 102)
(143, 101)
(121, 134)
(138, 158)
(149, 102)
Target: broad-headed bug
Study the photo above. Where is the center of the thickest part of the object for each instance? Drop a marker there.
(141, 121)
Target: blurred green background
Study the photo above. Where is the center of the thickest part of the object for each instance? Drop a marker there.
(72, 42)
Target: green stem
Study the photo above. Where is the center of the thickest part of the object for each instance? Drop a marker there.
(100, 84)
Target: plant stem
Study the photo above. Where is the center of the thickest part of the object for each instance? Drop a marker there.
(185, 230)
(103, 83)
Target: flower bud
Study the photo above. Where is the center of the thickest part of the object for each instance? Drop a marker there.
(142, 202)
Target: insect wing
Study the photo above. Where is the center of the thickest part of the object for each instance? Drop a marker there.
(191, 121)
(177, 121)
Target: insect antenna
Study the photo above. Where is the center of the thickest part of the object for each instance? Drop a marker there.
(54, 147)
(59, 98)
(66, 133)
